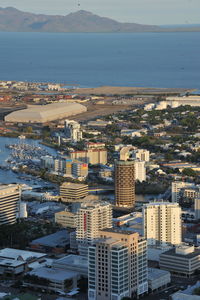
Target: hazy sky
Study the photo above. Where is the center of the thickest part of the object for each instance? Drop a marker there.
(139, 11)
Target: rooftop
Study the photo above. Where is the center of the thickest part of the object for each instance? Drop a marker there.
(172, 252)
(60, 238)
(53, 273)
(73, 185)
(154, 273)
(9, 253)
(120, 231)
(73, 260)
(11, 263)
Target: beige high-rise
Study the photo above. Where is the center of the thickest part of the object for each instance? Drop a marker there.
(117, 266)
(125, 183)
(162, 223)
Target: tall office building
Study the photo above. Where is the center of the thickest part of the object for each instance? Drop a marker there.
(117, 266)
(91, 218)
(73, 131)
(10, 196)
(140, 170)
(125, 183)
(162, 223)
(73, 192)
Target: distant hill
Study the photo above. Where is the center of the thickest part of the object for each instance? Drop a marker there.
(12, 19)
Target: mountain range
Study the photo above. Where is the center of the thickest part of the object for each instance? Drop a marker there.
(14, 20)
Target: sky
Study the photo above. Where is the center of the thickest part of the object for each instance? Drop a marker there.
(158, 12)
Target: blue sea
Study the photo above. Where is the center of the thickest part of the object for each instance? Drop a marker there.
(90, 60)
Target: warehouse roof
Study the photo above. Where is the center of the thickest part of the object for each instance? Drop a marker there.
(60, 238)
(10, 253)
(45, 113)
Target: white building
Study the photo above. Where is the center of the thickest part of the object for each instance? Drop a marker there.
(73, 130)
(140, 170)
(91, 218)
(162, 223)
(10, 196)
(141, 154)
(177, 186)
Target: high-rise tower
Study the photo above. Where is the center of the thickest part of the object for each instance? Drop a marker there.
(10, 196)
(125, 183)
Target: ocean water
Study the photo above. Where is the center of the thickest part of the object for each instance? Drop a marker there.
(89, 60)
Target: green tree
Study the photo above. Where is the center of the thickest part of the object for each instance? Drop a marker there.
(189, 172)
(29, 129)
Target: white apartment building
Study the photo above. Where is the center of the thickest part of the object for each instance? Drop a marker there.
(73, 130)
(91, 218)
(162, 223)
(177, 186)
(140, 170)
(117, 266)
(10, 196)
(141, 154)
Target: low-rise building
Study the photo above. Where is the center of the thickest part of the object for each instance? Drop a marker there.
(15, 261)
(51, 279)
(183, 260)
(53, 243)
(75, 263)
(66, 219)
(158, 278)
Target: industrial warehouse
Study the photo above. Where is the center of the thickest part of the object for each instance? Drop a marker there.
(45, 113)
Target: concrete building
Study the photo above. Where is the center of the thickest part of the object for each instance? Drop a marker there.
(197, 208)
(140, 170)
(75, 263)
(73, 130)
(10, 196)
(184, 260)
(91, 156)
(65, 166)
(177, 186)
(162, 223)
(73, 192)
(51, 279)
(158, 279)
(52, 243)
(125, 183)
(117, 266)
(14, 261)
(79, 170)
(45, 113)
(91, 218)
(141, 154)
(66, 219)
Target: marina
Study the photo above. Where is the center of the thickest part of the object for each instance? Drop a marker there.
(9, 171)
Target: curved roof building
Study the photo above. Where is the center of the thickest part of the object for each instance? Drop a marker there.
(45, 113)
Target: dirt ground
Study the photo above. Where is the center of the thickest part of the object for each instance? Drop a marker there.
(112, 90)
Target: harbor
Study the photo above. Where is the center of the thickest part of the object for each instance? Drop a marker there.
(11, 152)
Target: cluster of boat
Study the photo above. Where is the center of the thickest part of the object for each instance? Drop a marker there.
(23, 152)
